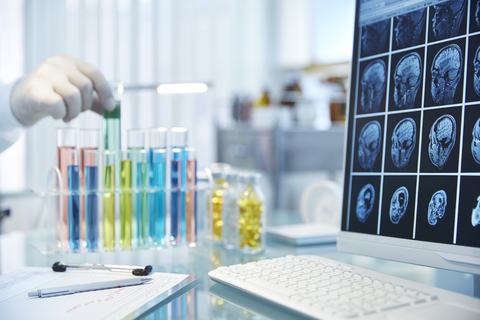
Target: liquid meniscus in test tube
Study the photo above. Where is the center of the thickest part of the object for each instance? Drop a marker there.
(179, 137)
(67, 139)
(191, 199)
(144, 183)
(109, 200)
(73, 163)
(157, 138)
(135, 145)
(126, 201)
(90, 160)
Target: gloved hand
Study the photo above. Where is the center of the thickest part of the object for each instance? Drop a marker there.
(61, 87)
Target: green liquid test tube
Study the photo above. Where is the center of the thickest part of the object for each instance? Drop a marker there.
(126, 201)
(144, 184)
(109, 200)
(135, 144)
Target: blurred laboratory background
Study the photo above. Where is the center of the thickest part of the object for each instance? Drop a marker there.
(277, 74)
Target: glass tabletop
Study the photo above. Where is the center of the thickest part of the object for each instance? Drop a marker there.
(209, 300)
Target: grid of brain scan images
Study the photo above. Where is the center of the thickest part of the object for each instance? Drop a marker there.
(413, 164)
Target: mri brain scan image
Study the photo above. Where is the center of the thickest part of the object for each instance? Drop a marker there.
(365, 201)
(448, 18)
(476, 141)
(476, 214)
(403, 142)
(398, 205)
(374, 37)
(476, 71)
(408, 74)
(442, 140)
(369, 144)
(409, 28)
(436, 207)
(446, 73)
(477, 13)
(373, 84)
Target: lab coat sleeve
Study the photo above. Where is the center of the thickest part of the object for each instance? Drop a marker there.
(10, 128)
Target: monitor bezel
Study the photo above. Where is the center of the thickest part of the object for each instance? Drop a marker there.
(438, 255)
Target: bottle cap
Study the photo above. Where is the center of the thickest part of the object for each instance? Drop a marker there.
(157, 138)
(179, 136)
(232, 176)
(251, 177)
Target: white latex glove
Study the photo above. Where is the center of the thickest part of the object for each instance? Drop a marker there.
(61, 87)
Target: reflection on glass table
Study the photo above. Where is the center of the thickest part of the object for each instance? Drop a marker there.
(208, 300)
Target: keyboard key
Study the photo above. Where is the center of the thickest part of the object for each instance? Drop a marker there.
(280, 290)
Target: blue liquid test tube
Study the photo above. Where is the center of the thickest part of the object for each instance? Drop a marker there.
(73, 163)
(90, 161)
(158, 205)
(157, 142)
(179, 137)
(175, 220)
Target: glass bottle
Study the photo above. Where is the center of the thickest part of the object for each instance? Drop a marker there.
(252, 215)
(230, 209)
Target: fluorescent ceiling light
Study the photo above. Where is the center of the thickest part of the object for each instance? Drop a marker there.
(182, 88)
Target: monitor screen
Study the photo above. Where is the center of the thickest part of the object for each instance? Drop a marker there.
(412, 169)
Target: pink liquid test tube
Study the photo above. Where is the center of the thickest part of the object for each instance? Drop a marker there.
(191, 198)
(67, 139)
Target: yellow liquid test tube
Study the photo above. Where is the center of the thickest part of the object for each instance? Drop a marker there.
(109, 200)
(126, 201)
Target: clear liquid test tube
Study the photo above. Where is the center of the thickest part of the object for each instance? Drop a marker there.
(175, 176)
(135, 144)
(125, 200)
(191, 196)
(109, 161)
(89, 140)
(144, 186)
(90, 162)
(179, 138)
(67, 139)
(159, 206)
(73, 167)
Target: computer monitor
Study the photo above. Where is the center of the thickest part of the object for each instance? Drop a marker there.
(412, 157)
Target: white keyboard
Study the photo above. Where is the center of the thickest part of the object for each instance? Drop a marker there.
(322, 288)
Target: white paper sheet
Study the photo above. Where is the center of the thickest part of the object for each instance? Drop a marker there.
(101, 304)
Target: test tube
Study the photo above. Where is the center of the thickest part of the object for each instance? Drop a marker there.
(191, 199)
(111, 120)
(67, 139)
(73, 164)
(179, 137)
(109, 161)
(125, 200)
(175, 175)
(157, 141)
(144, 184)
(88, 142)
(135, 144)
(90, 162)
